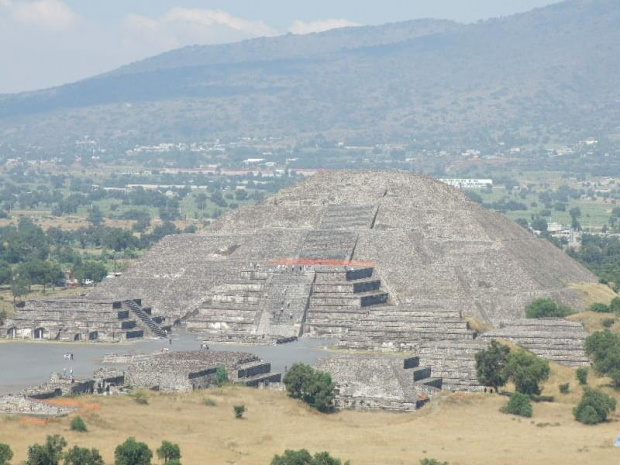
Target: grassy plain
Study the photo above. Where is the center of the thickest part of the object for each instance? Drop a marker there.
(463, 429)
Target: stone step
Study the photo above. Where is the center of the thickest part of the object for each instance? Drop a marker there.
(347, 287)
(345, 275)
(266, 378)
(228, 308)
(420, 373)
(362, 300)
(252, 369)
(433, 382)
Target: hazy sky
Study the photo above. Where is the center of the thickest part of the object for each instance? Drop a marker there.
(49, 42)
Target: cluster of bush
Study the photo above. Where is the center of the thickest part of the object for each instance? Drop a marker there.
(497, 365)
(613, 307)
(131, 452)
(547, 308)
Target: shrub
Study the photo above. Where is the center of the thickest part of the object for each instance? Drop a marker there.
(615, 305)
(519, 404)
(565, 388)
(209, 402)
(582, 376)
(239, 411)
(77, 424)
(221, 376)
(600, 308)
(303, 457)
(594, 407)
(491, 365)
(140, 397)
(527, 370)
(432, 462)
(6, 454)
(547, 308)
(132, 452)
(608, 322)
(169, 452)
(311, 386)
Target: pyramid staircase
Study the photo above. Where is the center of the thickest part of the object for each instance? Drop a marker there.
(150, 325)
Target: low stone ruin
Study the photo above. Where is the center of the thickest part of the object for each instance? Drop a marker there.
(24, 406)
(555, 339)
(371, 382)
(188, 371)
(82, 320)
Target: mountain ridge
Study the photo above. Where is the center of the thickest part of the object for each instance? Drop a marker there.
(551, 70)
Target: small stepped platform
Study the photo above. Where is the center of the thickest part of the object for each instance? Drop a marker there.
(371, 381)
(555, 339)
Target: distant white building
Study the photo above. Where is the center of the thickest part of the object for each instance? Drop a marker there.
(469, 183)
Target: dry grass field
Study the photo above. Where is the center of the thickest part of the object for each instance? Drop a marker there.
(593, 293)
(463, 429)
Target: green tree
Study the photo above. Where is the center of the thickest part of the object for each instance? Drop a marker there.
(546, 308)
(303, 457)
(615, 305)
(77, 424)
(132, 452)
(491, 365)
(6, 454)
(169, 452)
(594, 407)
(604, 347)
(522, 222)
(312, 386)
(519, 404)
(19, 288)
(221, 376)
(6, 272)
(95, 271)
(540, 224)
(95, 216)
(83, 456)
(48, 454)
(527, 370)
(582, 376)
(432, 462)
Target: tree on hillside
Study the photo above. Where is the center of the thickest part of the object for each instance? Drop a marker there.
(491, 365)
(546, 308)
(594, 407)
(527, 371)
(132, 452)
(303, 457)
(95, 216)
(6, 454)
(6, 273)
(83, 456)
(169, 451)
(95, 271)
(48, 454)
(312, 386)
(540, 224)
(604, 348)
(19, 288)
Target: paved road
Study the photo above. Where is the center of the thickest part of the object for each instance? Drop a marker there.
(24, 364)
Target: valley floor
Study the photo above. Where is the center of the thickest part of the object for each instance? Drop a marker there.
(463, 429)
